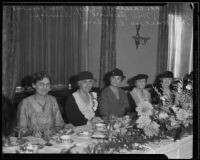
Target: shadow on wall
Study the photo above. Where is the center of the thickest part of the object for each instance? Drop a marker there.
(73, 83)
(9, 116)
(26, 82)
(106, 79)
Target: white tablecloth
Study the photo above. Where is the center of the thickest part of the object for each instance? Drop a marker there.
(180, 149)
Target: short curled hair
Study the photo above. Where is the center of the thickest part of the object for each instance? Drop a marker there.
(38, 76)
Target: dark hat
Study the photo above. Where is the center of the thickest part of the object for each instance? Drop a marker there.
(137, 77)
(85, 75)
(166, 74)
(117, 72)
(190, 76)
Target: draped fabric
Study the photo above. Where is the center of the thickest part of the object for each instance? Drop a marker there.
(50, 40)
(10, 70)
(10, 52)
(175, 29)
(162, 50)
(180, 43)
(175, 39)
(38, 38)
(108, 42)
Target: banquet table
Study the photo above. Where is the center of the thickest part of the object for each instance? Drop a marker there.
(182, 148)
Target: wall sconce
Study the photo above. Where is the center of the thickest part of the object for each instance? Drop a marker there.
(138, 39)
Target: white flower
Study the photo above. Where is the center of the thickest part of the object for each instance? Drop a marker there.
(94, 95)
(162, 98)
(163, 115)
(182, 115)
(151, 129)
(189, 87)
(117, 126)
(143, 121)
(174, 108)
(95, 104)
(173, 123)
(94, 100)
(144, 109)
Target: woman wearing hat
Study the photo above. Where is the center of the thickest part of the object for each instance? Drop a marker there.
(138, 94)
(162, 88)
(113, 100)
(79, 108)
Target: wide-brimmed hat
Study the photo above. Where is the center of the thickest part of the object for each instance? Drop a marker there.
(166, 74)
(132, 80)
(117, 72)
(85, 75)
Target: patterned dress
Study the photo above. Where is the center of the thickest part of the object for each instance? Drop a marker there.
(31, 116)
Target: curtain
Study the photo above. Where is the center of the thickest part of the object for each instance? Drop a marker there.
(175, 30)
(10, 52)
(180, 42)
(10, 69)
(175, 39)
(162, 50)
(50, 40)
(108, 42)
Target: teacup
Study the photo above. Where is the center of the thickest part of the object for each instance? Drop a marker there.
(100, 126)
(28, 148)
(66, 138)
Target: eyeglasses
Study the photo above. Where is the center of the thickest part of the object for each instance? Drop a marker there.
(47, 85)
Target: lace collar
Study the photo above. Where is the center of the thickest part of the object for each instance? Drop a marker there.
(85, 109)
(138, 97)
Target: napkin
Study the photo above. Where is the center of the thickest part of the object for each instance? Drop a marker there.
(35, 140)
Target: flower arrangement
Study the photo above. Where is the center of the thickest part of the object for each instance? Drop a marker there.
(177, 113)
(146, 120)
(183, 105)
(116, 125)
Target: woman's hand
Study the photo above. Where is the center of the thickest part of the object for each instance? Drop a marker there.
(89, 122)
(47, 134)
(69, 126)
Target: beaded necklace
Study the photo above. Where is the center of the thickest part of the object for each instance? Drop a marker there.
(42, 105)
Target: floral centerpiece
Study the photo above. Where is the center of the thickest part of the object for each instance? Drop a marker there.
(146, 120)
(115, 125)
(176, 114)
(117, 144)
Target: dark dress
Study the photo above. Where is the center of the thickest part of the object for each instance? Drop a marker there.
(109, 104)
(73, 114)
(132, 103)
(155, 98)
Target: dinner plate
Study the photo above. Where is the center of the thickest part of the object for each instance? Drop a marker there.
(29, 148)
(99, 135)
(15, 142)
(84, 134)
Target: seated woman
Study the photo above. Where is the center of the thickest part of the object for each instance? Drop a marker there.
(39, 114)
(138, 94)
(79, 108)
(113, 100)
(161, 94)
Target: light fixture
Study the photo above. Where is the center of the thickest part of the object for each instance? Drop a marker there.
(138, 39)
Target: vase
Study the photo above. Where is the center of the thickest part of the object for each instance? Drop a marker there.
(178, 133)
